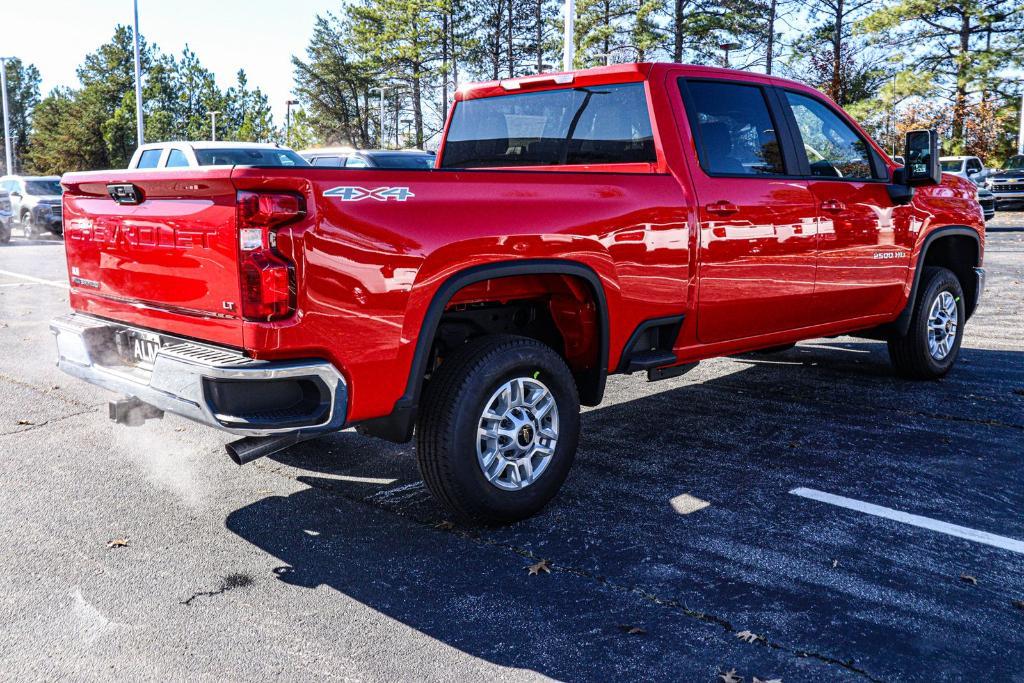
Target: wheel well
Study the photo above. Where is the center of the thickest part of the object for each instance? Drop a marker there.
(958, 253)
(558, 310)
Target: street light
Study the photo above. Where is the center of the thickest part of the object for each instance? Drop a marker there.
(1020, 130)
(726, 47)
(138, 78)
(288, 121)
(213, 126)
(380, 133)
(7, 124)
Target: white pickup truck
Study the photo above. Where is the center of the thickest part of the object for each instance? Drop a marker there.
(190, 154)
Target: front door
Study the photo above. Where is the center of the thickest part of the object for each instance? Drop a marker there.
(864, 243)
(757, 222)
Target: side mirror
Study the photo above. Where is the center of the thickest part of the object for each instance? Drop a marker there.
(922, 154)
(16, 194)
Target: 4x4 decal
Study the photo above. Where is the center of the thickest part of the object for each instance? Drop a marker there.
(352, 193)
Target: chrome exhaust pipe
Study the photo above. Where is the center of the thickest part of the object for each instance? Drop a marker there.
(252, 448)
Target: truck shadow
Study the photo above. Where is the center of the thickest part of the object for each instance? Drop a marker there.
(632, 544)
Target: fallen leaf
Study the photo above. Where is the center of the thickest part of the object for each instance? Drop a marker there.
(1019, 604)
(445, 525)
(749, 637)
(967, 578)
(26, 422)
(633, 630)
(117, 543)
(835, 563)
(541, 566)
(730, 677)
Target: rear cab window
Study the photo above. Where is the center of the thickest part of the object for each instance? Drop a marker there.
(175, 159)
(601, 124)
(149, 158)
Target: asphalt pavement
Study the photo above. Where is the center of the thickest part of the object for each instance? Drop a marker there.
(677, 549)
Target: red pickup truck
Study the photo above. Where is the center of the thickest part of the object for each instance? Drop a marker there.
(637, 217)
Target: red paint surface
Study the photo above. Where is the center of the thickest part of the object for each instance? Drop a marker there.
(778, 270)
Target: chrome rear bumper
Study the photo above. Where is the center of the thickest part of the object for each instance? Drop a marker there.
(205, 383)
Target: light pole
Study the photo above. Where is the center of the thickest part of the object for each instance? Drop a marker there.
(288, 121)
(213, 126)
(568, 41)
(726, 47)
(1020, 129)
(138, 79)
(380, 133)
(7, 125)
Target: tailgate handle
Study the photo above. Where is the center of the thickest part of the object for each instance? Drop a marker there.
(124, 193)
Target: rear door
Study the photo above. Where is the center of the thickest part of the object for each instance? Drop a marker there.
(169, 262)
(757, 221)
(864, 240)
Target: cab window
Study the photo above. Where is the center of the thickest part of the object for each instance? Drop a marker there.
(833, 148)
(149, 158)
(733, 128)
(356, 162)
(327, 161)
(176, 158)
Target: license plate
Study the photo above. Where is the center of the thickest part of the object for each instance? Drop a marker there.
(140, 348)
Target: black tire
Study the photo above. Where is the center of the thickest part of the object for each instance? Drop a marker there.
(910, 355)
(28, 226)
(5, 235)
(449, 418)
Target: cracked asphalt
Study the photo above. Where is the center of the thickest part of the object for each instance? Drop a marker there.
(675, 548)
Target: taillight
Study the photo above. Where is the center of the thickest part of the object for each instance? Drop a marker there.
(267, 278)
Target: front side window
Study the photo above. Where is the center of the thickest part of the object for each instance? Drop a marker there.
(606, 124)
(327, 161)
(176, 158)
(733, 128)
(149, 158)
(951, 165)
(834, 149)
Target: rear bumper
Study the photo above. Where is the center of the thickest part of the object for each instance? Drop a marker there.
(213, 385)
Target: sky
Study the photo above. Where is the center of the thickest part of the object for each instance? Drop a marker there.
(259, 36)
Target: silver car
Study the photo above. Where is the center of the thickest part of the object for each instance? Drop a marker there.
(1008, 184)
(35, 203)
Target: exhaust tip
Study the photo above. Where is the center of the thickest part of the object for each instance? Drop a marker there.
(251, 448)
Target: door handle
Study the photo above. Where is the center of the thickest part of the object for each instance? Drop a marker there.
(833, 206)
(722, 208)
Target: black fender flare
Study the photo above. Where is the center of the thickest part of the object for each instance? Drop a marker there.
(901, 325)
(398, 426)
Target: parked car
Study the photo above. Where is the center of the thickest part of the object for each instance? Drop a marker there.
(973, 169)
(35, 203)
(1007, 184)
(631, 218)
(347, 157)
(6, 217)
(182, 154)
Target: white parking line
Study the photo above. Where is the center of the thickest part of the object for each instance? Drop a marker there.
(914, 520)
(39, 281)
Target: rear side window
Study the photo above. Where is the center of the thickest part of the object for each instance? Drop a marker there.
(734, 129)
(327, 161)
(356, 162)
(834, 149)
(606, 124)
(149, 158)
(176, 158)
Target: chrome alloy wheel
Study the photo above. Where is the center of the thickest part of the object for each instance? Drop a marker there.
(517, 433)
(942, 322)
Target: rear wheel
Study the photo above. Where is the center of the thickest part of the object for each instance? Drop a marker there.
(932, 344)
(498, 429)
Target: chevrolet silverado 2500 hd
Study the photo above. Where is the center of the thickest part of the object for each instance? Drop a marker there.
(629, 218)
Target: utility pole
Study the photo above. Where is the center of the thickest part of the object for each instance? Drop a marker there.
(213, 126)
(380, 133)
(138, 79)
(1020, 129)
(568, 39)
(288, 122)
(7, 124)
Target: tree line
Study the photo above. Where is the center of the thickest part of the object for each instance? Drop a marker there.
(894, 64)
(94, 126)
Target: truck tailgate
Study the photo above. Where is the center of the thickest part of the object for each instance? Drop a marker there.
(169, 262)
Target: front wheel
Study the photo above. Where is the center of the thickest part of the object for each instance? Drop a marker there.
(932, 344)
(498, 429)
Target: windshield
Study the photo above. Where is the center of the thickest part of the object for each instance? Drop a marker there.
(42, 187)
(951, 166)
(402, 160)
(596, 125)
(249, 157)
(1015, 163)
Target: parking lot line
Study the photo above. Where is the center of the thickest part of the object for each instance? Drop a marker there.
(39, 281)
(914, 520)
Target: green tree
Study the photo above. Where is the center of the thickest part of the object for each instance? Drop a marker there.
(22, 98)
